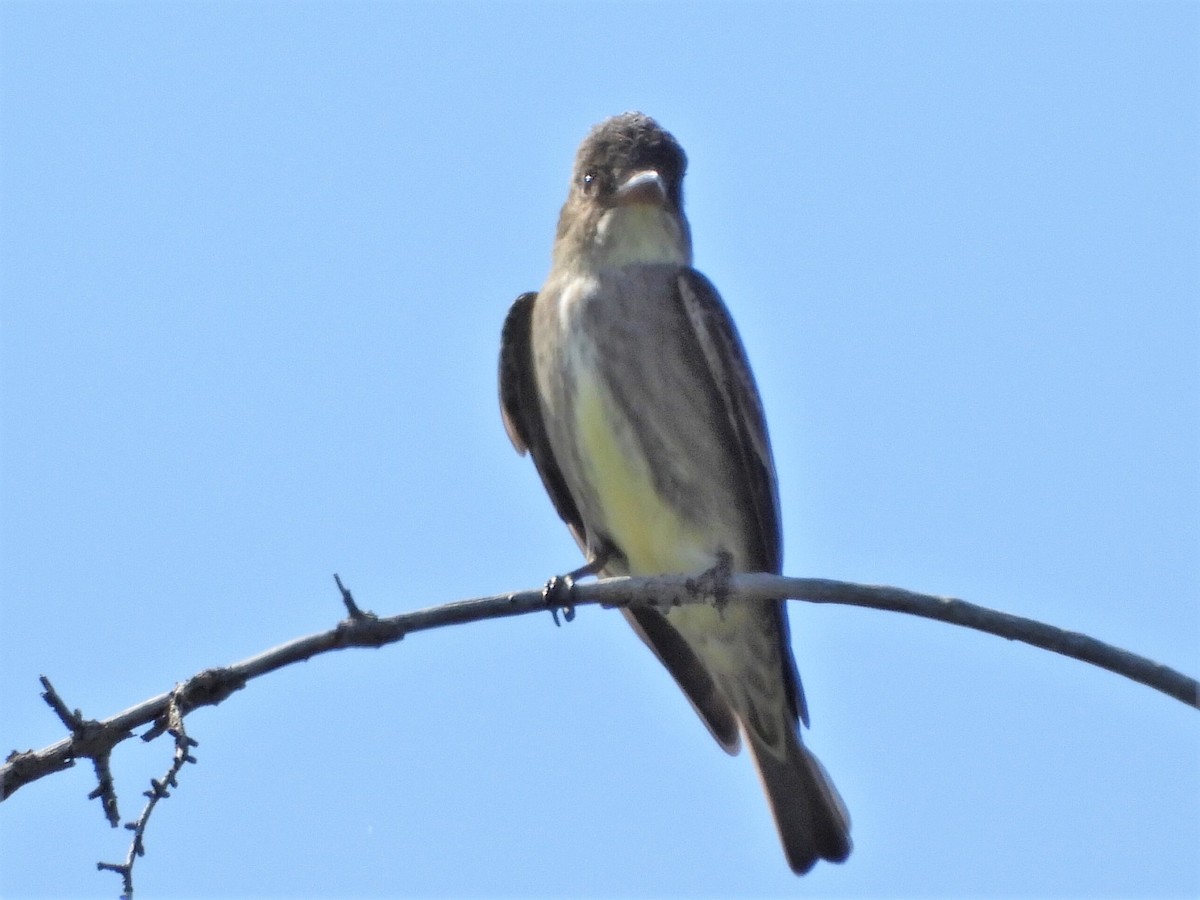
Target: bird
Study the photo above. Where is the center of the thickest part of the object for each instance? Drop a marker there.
(626, 381)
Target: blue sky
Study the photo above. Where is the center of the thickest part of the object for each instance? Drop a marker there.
(254, 259)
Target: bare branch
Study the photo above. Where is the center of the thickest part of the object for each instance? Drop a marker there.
(364, 629)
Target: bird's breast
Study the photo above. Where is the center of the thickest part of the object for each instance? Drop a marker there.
(651, 527)
(626, 420)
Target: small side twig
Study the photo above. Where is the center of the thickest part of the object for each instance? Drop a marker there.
(92, 740)
(158, 791)
(348, 600)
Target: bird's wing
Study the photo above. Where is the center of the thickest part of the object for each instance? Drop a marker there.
(693, 678)
(522, 411)
(733, 382)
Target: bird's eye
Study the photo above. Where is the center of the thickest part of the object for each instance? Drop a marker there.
(589, 181)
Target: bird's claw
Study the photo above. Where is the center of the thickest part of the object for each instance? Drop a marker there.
(557, 594)
(713, 583)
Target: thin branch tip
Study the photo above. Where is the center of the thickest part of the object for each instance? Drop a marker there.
(352, 608)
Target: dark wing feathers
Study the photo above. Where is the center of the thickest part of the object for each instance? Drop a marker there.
(733, 382)
(518, 390)
(689, 673)
(522, 411)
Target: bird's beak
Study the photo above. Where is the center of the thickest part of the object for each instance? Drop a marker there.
(642, 187)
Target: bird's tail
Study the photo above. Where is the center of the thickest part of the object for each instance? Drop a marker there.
(810, 815)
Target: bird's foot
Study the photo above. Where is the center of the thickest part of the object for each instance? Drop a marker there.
(713, 584)
(559, 590)
(557, 594)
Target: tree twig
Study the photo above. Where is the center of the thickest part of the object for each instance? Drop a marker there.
(366, 630)
(158, 791)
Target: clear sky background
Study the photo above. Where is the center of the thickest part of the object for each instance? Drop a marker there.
(255, 260)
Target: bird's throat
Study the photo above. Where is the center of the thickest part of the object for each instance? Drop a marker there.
(641, 233)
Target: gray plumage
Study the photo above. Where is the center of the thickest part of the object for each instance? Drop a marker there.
(626, 381)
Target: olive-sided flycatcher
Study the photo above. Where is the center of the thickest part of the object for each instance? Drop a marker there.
(625, 378)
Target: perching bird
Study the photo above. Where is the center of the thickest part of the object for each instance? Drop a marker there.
(625, 379)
